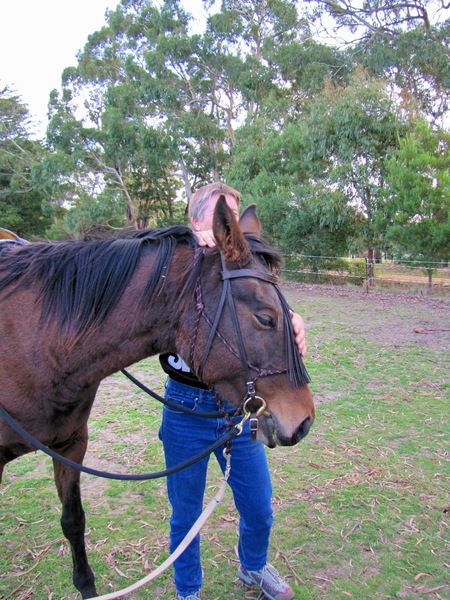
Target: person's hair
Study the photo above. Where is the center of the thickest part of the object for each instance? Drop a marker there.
(199, 197)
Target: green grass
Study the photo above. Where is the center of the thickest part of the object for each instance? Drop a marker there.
(361, 504)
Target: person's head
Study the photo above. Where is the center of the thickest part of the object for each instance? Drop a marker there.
(203, 201)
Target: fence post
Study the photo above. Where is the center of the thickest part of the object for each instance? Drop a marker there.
(366, 281)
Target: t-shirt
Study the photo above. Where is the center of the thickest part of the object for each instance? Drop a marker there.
(177, 369)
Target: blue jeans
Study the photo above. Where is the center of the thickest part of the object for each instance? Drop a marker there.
(183, 437)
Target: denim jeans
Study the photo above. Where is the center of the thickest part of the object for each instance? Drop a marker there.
(183, 437)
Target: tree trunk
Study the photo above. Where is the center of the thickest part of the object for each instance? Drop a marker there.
(370, 268)
(131, 212)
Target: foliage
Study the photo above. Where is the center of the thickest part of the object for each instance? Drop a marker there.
(20, 201)
(302, 120)
(420, 206)
(354, 131)
(416, 62)
(320, 180)
(406, 43)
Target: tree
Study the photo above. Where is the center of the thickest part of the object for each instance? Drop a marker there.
(20, 200)
(419, 174)
(407, 43)
(354, 130)
(146, 76)
(277, 169)
(109, 152)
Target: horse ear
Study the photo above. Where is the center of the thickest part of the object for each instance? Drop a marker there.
(249, 221)
(228, 235)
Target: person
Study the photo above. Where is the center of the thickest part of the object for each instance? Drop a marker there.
(183, 436)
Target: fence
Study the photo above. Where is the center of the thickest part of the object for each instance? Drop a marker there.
(410, 276)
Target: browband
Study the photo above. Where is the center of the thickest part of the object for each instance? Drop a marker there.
(269, 277)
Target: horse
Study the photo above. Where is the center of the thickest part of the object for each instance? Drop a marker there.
(75, 312)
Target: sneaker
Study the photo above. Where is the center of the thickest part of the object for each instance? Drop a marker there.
(195, 596)
(269, 580)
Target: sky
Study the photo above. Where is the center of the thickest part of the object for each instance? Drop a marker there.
(38, 40)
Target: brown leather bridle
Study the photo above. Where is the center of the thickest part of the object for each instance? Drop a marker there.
(295, 368)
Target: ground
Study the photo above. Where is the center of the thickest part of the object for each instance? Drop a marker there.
(120, 443)
(387, 318)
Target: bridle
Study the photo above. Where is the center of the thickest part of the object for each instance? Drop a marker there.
(252, 404)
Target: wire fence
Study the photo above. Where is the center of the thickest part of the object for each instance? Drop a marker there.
(424, 277)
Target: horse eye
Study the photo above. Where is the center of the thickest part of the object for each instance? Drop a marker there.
(266, 321)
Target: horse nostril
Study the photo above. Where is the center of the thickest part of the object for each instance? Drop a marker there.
(303, 428)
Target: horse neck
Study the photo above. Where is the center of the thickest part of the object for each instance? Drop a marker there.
(136, 331)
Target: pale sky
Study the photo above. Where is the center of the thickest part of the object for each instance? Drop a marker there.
(39, 39)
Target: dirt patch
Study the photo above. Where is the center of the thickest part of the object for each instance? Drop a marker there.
(389, 320)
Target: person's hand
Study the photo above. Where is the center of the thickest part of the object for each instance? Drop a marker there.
(205, 238)
(299, 330)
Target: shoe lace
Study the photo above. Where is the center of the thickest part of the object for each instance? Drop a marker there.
(270, 576)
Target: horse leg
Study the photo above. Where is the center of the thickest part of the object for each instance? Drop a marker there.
(73, 519)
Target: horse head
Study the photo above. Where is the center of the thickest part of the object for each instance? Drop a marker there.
(244, 339)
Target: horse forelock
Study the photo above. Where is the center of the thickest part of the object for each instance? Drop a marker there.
(80, 282)
(270, 258)
(261, 249)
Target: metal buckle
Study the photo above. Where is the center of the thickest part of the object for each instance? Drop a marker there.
(253, 416)
(253, 428)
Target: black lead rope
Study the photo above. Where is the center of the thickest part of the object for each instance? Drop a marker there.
(174, 405)
(233, 432)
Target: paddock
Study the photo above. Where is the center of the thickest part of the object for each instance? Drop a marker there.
(361, 505)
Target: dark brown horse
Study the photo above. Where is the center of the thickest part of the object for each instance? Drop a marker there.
(72, 313)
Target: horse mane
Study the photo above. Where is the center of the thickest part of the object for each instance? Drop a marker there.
(81, 281)
(259, 247)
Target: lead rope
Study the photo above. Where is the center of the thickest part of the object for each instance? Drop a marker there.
(183, 544)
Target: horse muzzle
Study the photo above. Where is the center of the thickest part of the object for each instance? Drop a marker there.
(271, 434)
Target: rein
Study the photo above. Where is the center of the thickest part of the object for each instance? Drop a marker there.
(235, 431)
(178, 407)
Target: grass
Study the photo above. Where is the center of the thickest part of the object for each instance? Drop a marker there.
(361, 505)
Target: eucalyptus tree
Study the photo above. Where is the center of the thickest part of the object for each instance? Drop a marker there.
(354, 131)
(325, 169)
(21, 202)
(406, 43)
(161, 102)
(106, 126)
(419, 207)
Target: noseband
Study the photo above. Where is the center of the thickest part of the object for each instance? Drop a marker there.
(297, 372)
